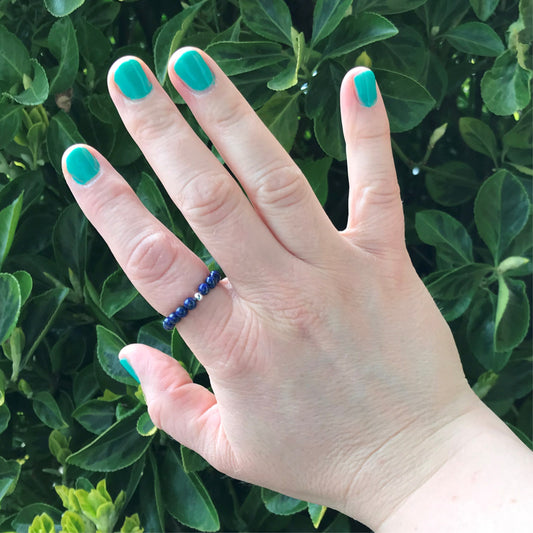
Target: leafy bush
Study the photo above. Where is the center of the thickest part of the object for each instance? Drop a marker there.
(455, 77)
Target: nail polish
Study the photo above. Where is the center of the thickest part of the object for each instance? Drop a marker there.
(126, 364)
(193, 70)
(82, 165)
(131, 80)
(365, 85)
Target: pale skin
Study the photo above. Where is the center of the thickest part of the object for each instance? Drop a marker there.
(335, 378)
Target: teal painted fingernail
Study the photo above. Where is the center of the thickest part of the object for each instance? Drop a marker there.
(82, 165)
(193, 70)
(132, 80)
(365, 84)
(126, 364)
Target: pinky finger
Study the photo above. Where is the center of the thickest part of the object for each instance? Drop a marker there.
(185, 410)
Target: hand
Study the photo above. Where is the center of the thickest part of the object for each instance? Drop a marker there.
(332, 370)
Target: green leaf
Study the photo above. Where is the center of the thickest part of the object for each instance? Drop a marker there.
(150, 504)
(145, 426)
(406, 53)
(39, 315)
(14, 60)
(118, 447)
(322, 105)
(316, 173)
(475, 38)
(5, 416)
(505, 88)
(152, 199)
(37, 87)
(70, 240)
(479, 137)
(11, 303)
(356, 32)
(245, 56)
(512, 314)
(95, 415)
(10, 121)
(72, 522)
(9, 217)
(388, 7)
(501, 210)
(191, 461)
(3, 381)
(288, 77)
(93, 45)
(182, 353)
(22, 522)
(326, 17)
(453, 290)
(9, 475)
(117, 293)
(107, 348)
(280, 504)
(483, 8)
(512, 263)
(170, 38)
(316, 513)
(30, 184)
(185, 496)
(63, 44)
(152, 334)
(448, 235)
(453, 183)
(485, 382)
(406, 101)
(480, 332)
(48, 411)
(62, 133)
(60, 8)
(280, 115)
(521, 135)
(268, 18)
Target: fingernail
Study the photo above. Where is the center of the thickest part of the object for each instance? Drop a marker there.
(82, 165)
(193, 70)
(365, 84)
(131, 80)
(126, 364)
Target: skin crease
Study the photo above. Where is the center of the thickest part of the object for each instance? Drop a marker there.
(332, 369)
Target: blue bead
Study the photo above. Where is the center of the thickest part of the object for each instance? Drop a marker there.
(211, 283)
(203, 288)
(189, 303)
(168, 324)
(215, 274)
(173, 317)
(181, 312)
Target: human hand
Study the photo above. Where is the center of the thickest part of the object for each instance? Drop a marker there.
(332, 369)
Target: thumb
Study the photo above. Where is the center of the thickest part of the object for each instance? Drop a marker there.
(375, 217)
(185, 410)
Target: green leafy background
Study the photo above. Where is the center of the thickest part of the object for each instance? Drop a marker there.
(456, 80)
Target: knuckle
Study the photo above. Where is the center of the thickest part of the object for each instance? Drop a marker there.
(207, 198)
(151, 258)
(282, 185)
(148, 127)
(234, 114)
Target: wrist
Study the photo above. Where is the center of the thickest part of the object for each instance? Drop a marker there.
(477, 480)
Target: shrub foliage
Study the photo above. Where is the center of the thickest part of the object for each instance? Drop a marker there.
(455, 77)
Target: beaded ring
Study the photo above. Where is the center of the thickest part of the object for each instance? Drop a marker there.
(190, 303)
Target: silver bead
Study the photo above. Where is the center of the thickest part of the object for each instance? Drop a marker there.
(198, 296)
